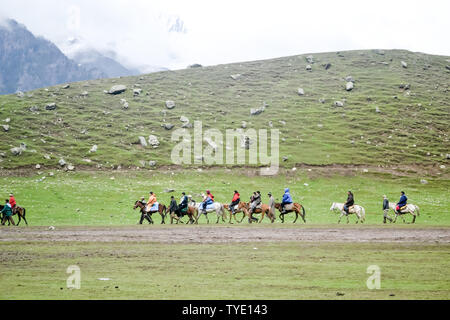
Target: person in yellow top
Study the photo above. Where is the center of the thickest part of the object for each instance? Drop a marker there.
(151, 201)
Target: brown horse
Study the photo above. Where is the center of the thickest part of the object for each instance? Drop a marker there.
(191, 213)
(264, 209)
(162, 210)
(242, 207)
(297, 208)
(21, 212)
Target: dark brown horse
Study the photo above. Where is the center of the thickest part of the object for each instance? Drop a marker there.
(21, 212)
(178, 215)
(162, 210)
(297, 208)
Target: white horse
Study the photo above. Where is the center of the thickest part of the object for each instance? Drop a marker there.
(217, 208)
(358, 210)
(410, 208)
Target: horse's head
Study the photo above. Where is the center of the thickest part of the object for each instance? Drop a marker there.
(278, 206)
(137, 204)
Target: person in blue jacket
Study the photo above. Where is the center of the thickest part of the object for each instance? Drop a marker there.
(287, 199)
(401, 202)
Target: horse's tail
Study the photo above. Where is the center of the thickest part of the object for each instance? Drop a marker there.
(304, 213)
(363, 215)
(417, 209)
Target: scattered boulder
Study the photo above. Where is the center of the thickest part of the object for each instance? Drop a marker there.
(310, 59)
(404, 64)
(301, 92)
(195, 65)
(142, 141)
(170, 104)
(152, 163)
(285, 159)
(67, 86)
(20, 94)
(377, 110)
(50, 106)
(327, 66)
(282, 122)
(308, 67)
(62, 163)
(349, 79)
(34, 109)
(16, 151)
(124, 103)
(322, 100)
(84, 94)
(5, 127)
(184, 119)
(94, 148)
(447, 67)
(255, 112)
(38, 166)
(168, 126)
(118, 89)
(447, 156)
(137, 92)
(349, 86)
(70, 167)
(423, 181)
(244, 125)
(338, 104)
(153, 141)
(236, 76)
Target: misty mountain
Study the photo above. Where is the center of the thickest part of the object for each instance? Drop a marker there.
(98, 63)
(28, 62)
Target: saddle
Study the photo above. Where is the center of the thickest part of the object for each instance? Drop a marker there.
(154, 208)
(289, 207)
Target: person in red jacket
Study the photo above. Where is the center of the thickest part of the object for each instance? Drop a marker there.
(209, 199)
(235, 201)
(12, 202)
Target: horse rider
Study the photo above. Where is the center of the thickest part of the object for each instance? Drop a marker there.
(151, 201)
(235, 201)
(402, 202)
(183, 203)
(386, 209)
(271, 204)
(208, 199)
(173, 207)
(256, 201)
(7, 213)
(350, 202)
(287, 199)
(12, 202)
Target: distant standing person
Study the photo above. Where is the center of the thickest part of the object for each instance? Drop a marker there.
(271, 206)
(386, 209)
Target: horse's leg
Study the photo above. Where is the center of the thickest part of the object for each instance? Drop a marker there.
(414, 218)
(20, 218)
(296, 216)
(162, 216)
(282, 217)
(340, 217)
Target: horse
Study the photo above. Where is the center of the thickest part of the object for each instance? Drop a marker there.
(296, 207)
(217, 207)
(241, 207)
(262, 208)
(21, 212)
(410, 208)
(162, 210)
(190, 212)
(356, 209)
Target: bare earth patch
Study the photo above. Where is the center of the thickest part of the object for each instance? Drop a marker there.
(221, 234)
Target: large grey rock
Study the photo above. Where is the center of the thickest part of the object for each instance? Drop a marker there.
(301, 92)
(16, 151)
(168, 126)
(153, 141)
(5, 127)
(117, 89)
(244, 125)
(338, 104)
(20, 94)
(124, 103)
(170, 104)
(235, 76)
(349, 86)
(94, 148)
(404, 64)
(137, 92)
(308, 67)
(310, 59)
(51, 106)
(152, 163)
(62, 162)
(349, 79)
(142, 141)
(327, 66)
(255, 112)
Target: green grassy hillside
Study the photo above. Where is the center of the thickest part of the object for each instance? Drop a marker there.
(411, 127)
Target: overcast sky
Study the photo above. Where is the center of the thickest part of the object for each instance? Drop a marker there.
(215, 32)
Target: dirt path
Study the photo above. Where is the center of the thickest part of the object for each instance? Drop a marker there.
(221, 234)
